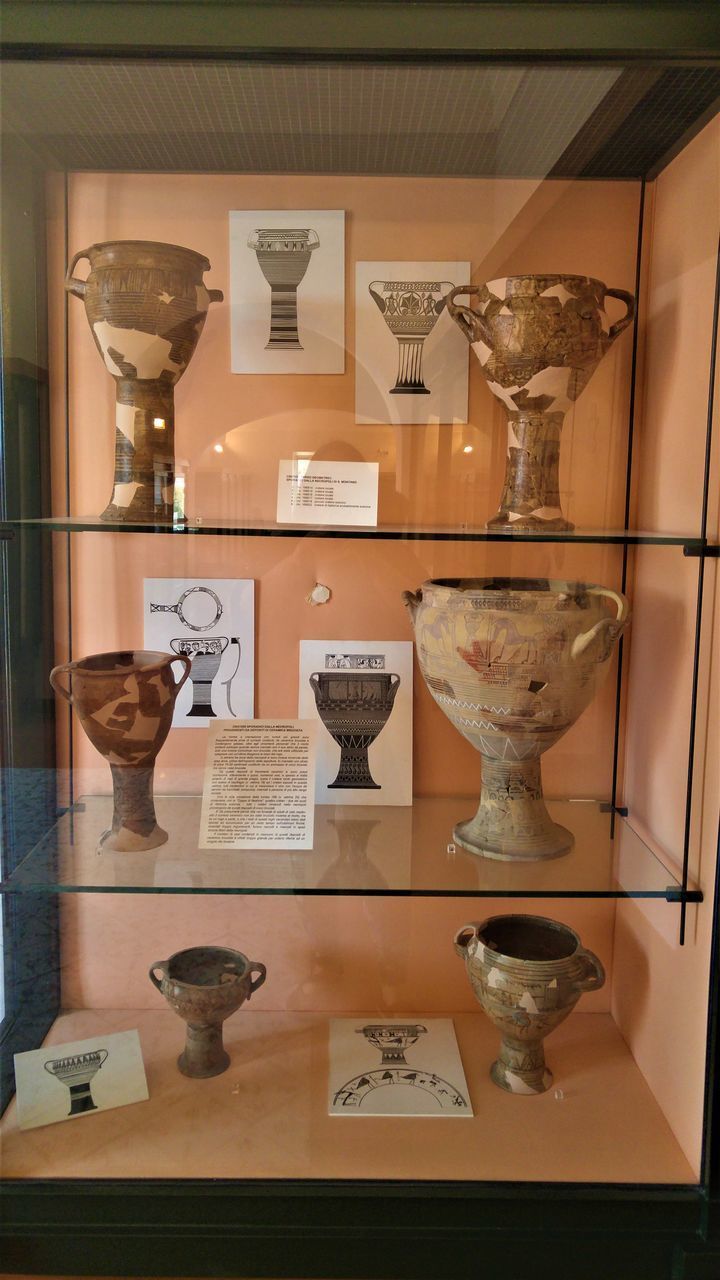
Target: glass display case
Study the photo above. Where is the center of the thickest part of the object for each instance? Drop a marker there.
(360, 475)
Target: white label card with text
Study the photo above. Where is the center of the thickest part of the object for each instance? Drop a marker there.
(259, 789)
(311, 492)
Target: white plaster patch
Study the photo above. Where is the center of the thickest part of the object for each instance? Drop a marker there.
(165, 297)
(517, 1084)
(148, 353)
(123, 494)
(548, 513)
(527, 1002)
(482, 351)
(505, 311)
(202, 297)
(553, 983)
(513, 442)
(498, 287)
(604, 322)
(505, 394)
(125, 420)
(552, 381)
(557, 291)
(494, 978)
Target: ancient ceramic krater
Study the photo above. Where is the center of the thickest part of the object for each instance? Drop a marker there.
(527, 973)
(354, 709)
(204, 986)
(124, 702)
(410, 309)
(539, 339)
(513, 662)
(283, 256)
(146, 305)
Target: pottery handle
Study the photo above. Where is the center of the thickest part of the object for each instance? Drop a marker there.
(629, 300)
(448, 287)
(611, 627)
(412, 601)
(256, 966)
(594, 977)
(187, 663)
(57, 686)
(71, 284)
(381, 303)
(216, 295)
(473, 324)
(463, 937)
(224, 642)
(162, 966)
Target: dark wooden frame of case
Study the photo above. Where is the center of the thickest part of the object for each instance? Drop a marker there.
(318, 1228)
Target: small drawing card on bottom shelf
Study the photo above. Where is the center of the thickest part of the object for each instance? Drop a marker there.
(65, 1081)
(396, 1067)
(361, 692)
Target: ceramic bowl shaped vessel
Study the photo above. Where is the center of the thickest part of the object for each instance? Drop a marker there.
(124, 702)
(146, 305)
(204, 986)
(513, 662)
(354, 709)
(539, 339)
(527, 973)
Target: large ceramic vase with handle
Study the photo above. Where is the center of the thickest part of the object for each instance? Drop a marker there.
(124, 702)
(204, 986)
(146, 305)
(539, 339)
(527, 973)
(513, 662)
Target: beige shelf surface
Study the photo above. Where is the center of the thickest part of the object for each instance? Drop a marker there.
(358, 849)
(266, 1116)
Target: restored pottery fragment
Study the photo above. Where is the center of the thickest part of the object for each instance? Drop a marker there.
(354, 709)
(539, 339)
(204, 986)
(528, 973)
(124, 702)
(146, 305)
(513, 662)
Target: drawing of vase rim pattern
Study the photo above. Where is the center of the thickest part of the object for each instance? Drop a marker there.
(392, 1039)
(283, 254)
(76, 1072)
(354, 709)
(205, 654)
(410, 309)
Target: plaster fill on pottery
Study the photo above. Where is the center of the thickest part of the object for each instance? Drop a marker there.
(513, 662)
(527, 973)
(146, 305)
(539, 339)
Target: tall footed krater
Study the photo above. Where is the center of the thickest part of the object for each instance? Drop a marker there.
(146, 305)
(539, 339)
(513, 662)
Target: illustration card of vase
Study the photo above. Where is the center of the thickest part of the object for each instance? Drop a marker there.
(361, 692)
(411, 359)
(65, 1081)
(396, 1067)
(287, 290)
(212, 622)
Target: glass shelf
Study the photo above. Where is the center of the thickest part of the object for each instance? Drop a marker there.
(359, 851)
(390, 532)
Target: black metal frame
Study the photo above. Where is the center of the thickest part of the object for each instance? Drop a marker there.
(358, 1228)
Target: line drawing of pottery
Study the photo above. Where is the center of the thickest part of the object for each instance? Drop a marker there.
(527, 973)
(124, 702)
(227, 684)
(392, 1039)
(513, 663)
(204, 986)
(283, 256)
(77, 1072)
(205, 655)
(539, 339)
(146, 305)
(192, 622)
(410, 309)
(354, 709)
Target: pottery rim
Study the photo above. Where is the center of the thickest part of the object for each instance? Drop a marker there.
(161, 660)
(150, 246)
(480, 928)
(193, 986)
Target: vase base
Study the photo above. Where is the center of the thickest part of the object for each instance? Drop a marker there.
(196, 1072)
(520, 1082)
(354, 786)
(126, 841)
(409, 391)
(501, 523)
(554, 842)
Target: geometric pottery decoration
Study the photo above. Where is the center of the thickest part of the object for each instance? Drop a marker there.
(539, 339)
(146, 305)
(283, 256)
(410, 309)
(354, 709)
(513, 662)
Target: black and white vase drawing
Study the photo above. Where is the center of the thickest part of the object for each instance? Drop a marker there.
(354, 709)
(283, 256)
(198, 608)
(77, 1072)
(205, 655)
(412, 1090)
(410, 309)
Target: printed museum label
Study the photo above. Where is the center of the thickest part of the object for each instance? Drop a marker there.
(396, 1067)
(65, 1081)
(259, 788)
(312, 492)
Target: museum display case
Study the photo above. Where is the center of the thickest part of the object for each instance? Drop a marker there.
(332, 642)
